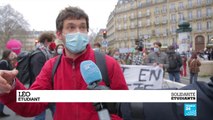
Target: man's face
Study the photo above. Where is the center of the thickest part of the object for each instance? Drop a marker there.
(73, 26)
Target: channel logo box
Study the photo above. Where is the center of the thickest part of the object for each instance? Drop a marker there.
(190, 109)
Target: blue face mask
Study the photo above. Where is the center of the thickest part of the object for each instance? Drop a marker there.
(60, 51)
(76, 42)
(156, 49)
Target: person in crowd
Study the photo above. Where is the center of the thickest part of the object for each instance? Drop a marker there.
(184, 67)
(175, 63)
(194, 67)
(116, 56)
(97, 47)
(157, 57)
(14, 45)
(7, 62)
(59, 49)
(72, 26)
(52, 48)
(46, 45)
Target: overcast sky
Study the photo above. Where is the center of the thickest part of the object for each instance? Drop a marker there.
(41, 14)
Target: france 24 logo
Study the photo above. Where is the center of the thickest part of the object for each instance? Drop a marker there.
(190, 110)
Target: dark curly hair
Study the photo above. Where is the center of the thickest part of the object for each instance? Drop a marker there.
(73, 13)
(46, 36)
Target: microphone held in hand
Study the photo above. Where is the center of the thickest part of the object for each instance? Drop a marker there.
(91, 75)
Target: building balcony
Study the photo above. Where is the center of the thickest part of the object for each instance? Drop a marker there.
(189, 6)
(173, 21)
(164, 22)
(148, 14)
(165, 34)
(157, 23)
(172, 10)
(163, 11)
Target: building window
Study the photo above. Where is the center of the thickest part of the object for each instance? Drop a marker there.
(148, 22)
(125, 26)
(139, 14)
(209, 25)
(148, 1)
(209, 1)
(148, 12)
(164, 9)
(140, 23)
(199, 13)
(190, 15)
(173, 29)
(125, 17)
(156, 10)
(190, 3)
(157, 20)
(173, 17)
(199, 2)
(132, 15)
(199, 26)
(164, 19)
(181, 17)
(180, 6)
(208, 12)
(172, 7)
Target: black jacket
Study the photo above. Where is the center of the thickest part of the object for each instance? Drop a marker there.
(36, 63)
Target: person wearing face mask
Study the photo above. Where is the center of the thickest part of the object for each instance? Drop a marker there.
(59, 49)
(157, 58)
(97, 47)
(72, 26)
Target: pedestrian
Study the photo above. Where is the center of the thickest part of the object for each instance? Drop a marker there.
(97, 47)
(175, 63)
(72, 26)
(194, 67)
(37, 61)
(184, 67)
(6, 63)
(59, 49)
(117, 57)
(157, 57)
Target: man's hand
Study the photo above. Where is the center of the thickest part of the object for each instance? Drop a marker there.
(6, 80)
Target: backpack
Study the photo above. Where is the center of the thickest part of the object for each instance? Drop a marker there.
(23, 66)
(173, 64)
(7, 64)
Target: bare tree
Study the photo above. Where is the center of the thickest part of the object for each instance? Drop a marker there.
(12, 24)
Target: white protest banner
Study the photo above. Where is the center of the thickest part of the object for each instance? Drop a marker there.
(140, 76)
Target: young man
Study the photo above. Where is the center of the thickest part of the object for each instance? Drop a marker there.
(157, 57)
(37, 62)
(72, 27)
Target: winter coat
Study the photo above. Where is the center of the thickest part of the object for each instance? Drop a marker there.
(194, 65)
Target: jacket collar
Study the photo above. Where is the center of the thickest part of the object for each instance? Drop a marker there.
(84, 55)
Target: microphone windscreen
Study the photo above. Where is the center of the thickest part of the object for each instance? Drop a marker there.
(90, 72)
